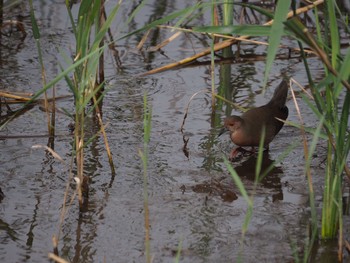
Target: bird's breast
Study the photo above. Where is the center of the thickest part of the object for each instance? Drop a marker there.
(242, 138)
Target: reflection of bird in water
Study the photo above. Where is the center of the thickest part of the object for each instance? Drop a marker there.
(246, 171)
(246, 130)
(216, 188)
(272, 179)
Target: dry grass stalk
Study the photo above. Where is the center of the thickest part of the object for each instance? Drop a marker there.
(103, 131)
(166, 42)
(206, 91)
(13, 95)
(303, 134)
(143, 40)
(324, 58)
(188, 106)
(54, 154)
(242, 39)
(226, 43)
(57, 258)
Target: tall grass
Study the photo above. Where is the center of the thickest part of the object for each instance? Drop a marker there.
(89, 33)
(332, 109)
(337, 72)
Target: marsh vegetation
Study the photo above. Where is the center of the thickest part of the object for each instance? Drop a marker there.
(109, 122)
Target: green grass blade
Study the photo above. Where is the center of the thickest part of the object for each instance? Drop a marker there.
(334, 32)
(260, 156)
(164, 20)
(84, 7)
(276, 33)
(178, 252)
(249, 30)
(296, 27)
(62, 75)
(228, 11)
(255, 7)
(315, 138)
(279, 159)
(147, 124)
(71, 18)
(244, 193)
(343, 124)
(36, 32)
(188, 14)
(344, 74)
(237, 181)
(101, 34)
(136, 11)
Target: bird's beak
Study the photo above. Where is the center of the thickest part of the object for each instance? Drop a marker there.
(222, 131)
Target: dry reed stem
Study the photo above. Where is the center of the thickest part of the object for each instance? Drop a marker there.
(303, 89)
(303, 134)
(340, 246)
(54, 154)
(241, 39)
(347, 245)
(11, 95)
(188, 106)
(50, 122)
(165, 42)
(226, 43)
(56, 258)
(215, 95)
(103, 131)
(143, 39)
(346, 168)
(23, 97)
(79, 141)
(324, 58)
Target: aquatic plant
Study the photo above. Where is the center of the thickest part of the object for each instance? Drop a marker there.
(332, 108)
(85, 84)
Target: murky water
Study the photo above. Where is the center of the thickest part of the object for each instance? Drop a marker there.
(192, 198)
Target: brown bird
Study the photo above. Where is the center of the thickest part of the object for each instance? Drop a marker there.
(246, 130)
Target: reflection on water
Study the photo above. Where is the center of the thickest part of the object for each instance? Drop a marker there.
(270, 180)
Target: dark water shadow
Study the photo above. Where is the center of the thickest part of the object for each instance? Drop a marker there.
(270, 180)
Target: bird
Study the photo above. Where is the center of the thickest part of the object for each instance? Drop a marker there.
(246, 130)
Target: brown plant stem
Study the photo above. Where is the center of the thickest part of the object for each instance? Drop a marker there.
(226, 43)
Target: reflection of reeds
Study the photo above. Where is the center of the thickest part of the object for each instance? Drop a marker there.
(15, 97)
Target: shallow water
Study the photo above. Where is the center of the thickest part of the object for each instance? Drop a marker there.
(193, 201)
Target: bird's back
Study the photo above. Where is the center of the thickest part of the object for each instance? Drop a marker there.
(265, 116)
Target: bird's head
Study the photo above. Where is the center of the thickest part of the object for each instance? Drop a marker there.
(231, 124)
